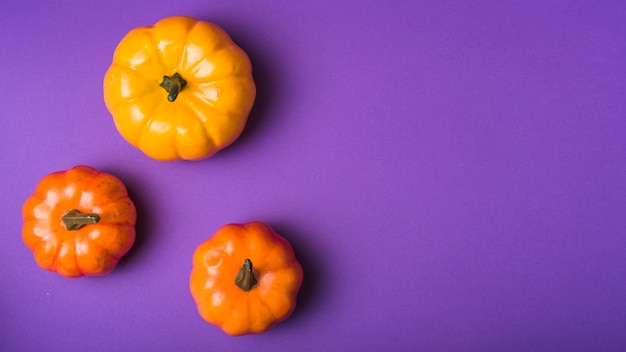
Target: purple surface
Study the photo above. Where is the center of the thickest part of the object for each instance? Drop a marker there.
(451, 175)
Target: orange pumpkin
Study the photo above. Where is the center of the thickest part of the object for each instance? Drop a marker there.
(245, 278)
(79, 222)
(180, 89)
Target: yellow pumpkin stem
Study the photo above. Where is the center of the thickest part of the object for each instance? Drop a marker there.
(173, 85)
(245, 279)
(74, 220)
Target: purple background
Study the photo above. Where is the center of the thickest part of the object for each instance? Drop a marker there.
(451, 174)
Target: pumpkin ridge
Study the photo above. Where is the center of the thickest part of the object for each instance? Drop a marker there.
(289, 285)
(269, 311)
(109, 201)
(176, 145)
(39, 195)
(98, 245)
(31, 235)
(86, 185)
(80, 270)
(97, 177)
(53, 265)
(222, 44)
(123, 106)
(202, 100)
(184, 50)
(134, 70)
(119, 223)
(148, 121)
(238, 78)
(249, 309)
(216, 50)
(138, 97)
(121, 101)
(107, 252)
(31, 215)
(230, 308)
(159, 53)
(92, 178)
(43, 196)
(145, 32)
(237, 73)
(196, 116)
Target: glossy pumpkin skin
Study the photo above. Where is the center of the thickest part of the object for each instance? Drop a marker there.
(219, 261)
(208, 113)
(79, 222)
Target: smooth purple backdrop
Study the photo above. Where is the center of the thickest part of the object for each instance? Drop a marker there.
(451, 174)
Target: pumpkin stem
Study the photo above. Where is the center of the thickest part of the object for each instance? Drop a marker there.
(245, 279)
(75, 220)
(173, 85)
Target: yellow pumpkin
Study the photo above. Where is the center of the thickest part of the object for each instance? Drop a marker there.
(180, 89)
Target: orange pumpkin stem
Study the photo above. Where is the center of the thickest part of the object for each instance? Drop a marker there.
(74, 220)
(173, 85)
(245, 279)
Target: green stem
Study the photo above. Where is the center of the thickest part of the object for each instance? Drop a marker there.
(245, 279)
(173, 85)
(74, 220)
